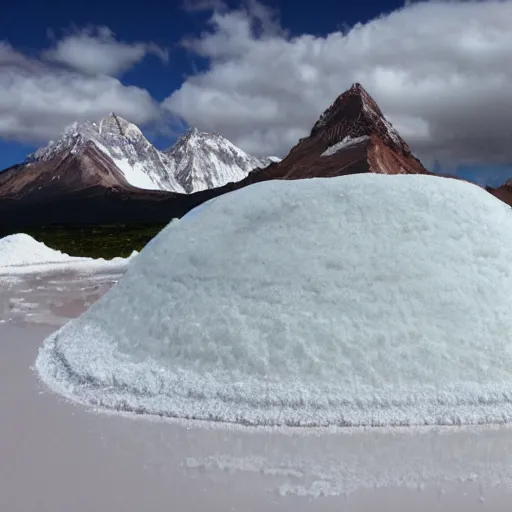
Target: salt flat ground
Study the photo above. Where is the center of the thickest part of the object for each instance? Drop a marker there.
(57, 456)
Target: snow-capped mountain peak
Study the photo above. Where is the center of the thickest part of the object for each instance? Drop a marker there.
(141, 164)
(205, 160)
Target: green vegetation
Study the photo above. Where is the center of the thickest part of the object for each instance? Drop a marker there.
(96, 241)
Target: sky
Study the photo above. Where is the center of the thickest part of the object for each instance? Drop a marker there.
(261, 73)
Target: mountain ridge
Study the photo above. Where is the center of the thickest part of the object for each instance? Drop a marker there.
(351, 136)
(143, 166)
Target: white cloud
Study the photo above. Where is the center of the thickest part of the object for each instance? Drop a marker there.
(440, 71)
(95, 51)
(39, 100)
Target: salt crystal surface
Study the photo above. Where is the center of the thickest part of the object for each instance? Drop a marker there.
(308, 303)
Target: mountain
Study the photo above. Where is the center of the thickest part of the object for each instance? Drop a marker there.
(140, 163)
(112, 154)
(201, 161)
(351, 136)
(115, 154)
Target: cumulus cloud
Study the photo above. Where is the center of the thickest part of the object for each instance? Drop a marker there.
(95, 50)
(439, 70)
(39, 100)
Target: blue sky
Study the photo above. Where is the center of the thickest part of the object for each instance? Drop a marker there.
(261, 73)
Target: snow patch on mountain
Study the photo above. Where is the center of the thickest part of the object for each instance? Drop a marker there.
(345, 143)
(135, 175)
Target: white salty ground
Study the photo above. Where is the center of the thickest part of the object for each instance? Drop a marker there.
(59, 456)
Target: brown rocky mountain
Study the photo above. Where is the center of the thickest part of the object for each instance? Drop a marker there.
(352, 136)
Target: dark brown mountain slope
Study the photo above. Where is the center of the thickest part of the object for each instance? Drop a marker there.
(64, 173)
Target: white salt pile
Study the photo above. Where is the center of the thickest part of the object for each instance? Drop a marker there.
(20, 253)
(360, 300)
(22, 249)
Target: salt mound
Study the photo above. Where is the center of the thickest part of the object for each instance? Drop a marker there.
(20, 253)
(360, 300)
(22, 249)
